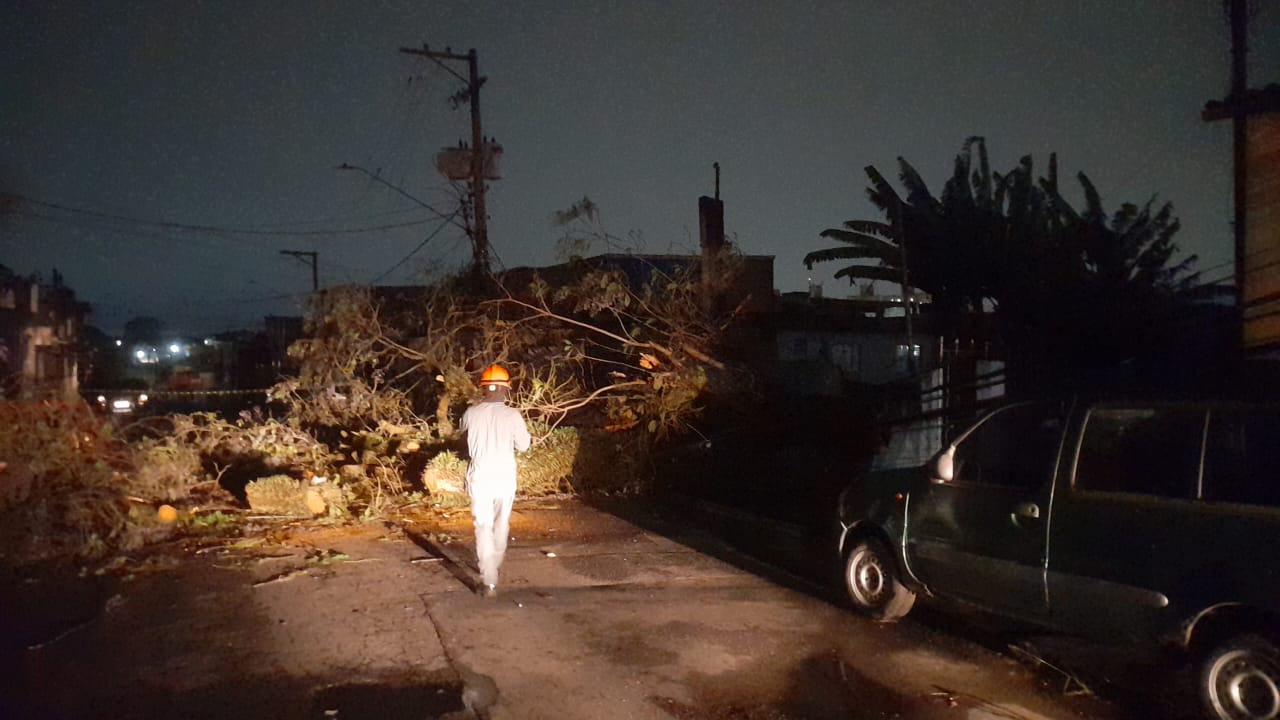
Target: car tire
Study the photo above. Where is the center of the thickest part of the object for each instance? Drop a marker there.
(1240, 679)
(871, 577)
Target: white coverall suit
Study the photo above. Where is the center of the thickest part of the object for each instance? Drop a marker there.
(494, 432)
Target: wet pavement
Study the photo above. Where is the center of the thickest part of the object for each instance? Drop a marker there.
(645, 618)
(619, 611)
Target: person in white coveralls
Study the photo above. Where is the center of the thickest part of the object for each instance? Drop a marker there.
(495, 432)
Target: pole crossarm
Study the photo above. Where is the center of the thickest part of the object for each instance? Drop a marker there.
(436, 57)
(310, 257)
(473, 81)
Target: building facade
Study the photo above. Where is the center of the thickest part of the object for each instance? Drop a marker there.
(40, 325)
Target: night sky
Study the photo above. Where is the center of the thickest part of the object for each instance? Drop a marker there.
(234, 115)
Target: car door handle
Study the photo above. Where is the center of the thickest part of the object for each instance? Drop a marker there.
(1025, 511)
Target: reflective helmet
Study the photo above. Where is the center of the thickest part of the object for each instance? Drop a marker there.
(494, 376)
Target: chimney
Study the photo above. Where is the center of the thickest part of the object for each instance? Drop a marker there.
(711, 237)
(710, 223)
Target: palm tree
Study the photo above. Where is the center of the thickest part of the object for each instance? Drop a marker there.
(1068, 287)
(942, 241)
(1104, 289)
(1132, 250)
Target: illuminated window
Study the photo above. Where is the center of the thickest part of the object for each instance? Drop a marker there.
(900, 357)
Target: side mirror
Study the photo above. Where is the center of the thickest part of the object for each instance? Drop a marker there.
(942, 468)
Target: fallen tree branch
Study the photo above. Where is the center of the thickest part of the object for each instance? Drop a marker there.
(282, 577)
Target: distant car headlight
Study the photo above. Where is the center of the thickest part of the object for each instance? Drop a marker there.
(142, 398)
(102, 399)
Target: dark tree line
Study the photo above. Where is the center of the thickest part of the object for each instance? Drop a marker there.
(1069, 288)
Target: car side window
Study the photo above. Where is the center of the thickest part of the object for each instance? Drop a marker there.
(1016, 447)
(1243, 456)
(1142, 450)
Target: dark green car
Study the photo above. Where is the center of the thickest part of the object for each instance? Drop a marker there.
(1141, 521)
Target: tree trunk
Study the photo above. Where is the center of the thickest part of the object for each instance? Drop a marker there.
(444, 425)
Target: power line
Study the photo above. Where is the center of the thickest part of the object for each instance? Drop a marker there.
(396, 188)
(336, 219)
(214, 228)
(129, 233)
(413, 252)
(266, 298)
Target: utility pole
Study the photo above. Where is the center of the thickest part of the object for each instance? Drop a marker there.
(311, 258)
(1239, 17)
(480, 237)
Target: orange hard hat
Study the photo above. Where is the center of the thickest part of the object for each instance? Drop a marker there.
(496, 375)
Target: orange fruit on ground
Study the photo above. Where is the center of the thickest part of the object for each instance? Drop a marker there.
(167, 514)
(315, 503)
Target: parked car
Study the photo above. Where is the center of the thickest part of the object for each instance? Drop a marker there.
(1149, 522)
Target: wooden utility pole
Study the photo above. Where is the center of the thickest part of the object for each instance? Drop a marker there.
(312, 259)
(480, 235)
(1239, 15)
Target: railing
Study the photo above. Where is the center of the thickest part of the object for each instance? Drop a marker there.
(924, 421)
(163, 394)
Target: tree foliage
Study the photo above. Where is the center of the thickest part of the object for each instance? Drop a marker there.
(1063, 282)
(588, 341)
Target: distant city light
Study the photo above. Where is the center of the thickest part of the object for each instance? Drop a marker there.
(119, 343)
(174, 348)
(141, 354)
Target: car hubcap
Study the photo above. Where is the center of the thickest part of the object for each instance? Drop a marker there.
(866, 578)
(1243, 685)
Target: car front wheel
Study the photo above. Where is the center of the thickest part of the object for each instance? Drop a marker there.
(872, 581)
(1240, 680)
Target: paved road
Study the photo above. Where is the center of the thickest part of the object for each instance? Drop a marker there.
(598, 617)
(601, 618)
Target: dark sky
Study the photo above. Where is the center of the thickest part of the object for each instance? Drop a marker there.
(234, 115)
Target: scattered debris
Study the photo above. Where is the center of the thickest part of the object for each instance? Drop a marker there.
(1072, 684)
(61, 635)
(241, 544)
(942, 696)
(327, 557)
(126, 566)
(216, 521)
(282, 495)
(282, 577)
(955, 698)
